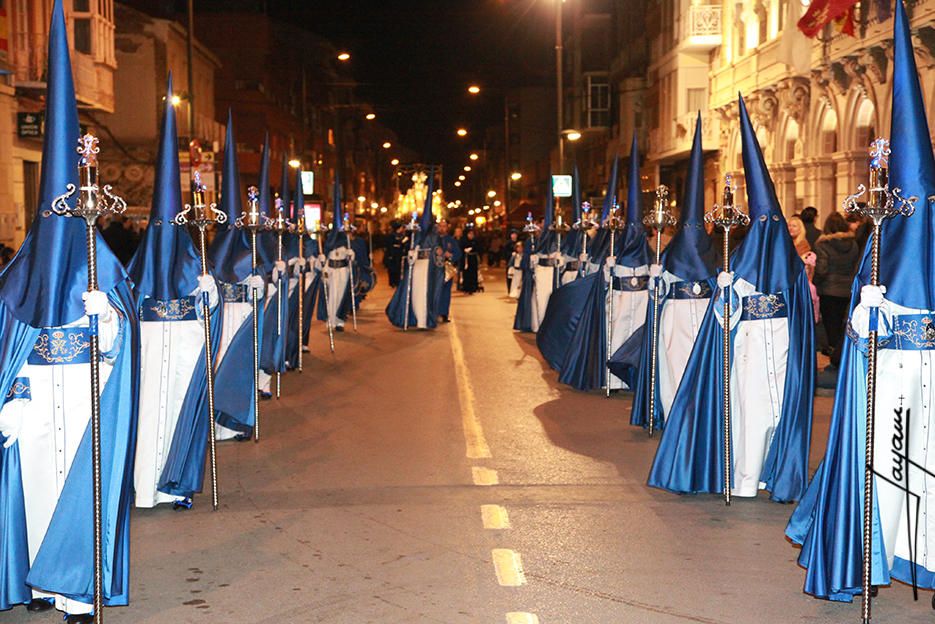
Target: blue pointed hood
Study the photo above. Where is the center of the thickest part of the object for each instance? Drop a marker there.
(691, 254)
(571, 241)
(298, 203)
(166, 264)
(427, 219)
(266, 245)
(611, 195)
(549, 206)
(42, 284)
(907, 259)
(284, 189)
(633, 249)
(333, 240)
(265, 202)
(766, 258)
(230, 250)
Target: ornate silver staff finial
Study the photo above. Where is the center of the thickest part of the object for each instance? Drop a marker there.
(280, 224)
(614, 221)
(252, 218)
(727, 215)
(348, 224)
(93, 200)
(199, 213)
(531, 226)
(413, 225)
(882, 201)
(586, 222)
(660, 217)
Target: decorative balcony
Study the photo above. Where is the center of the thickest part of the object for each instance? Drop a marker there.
(673, 141)
(701, 28)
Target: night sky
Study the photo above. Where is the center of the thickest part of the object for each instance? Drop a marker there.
(415, 58)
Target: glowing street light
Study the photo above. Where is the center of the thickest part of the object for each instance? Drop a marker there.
(461, 132)
(176, 100)
(361, 199)
(344, 57)
(516, 175)
(394, 162)
(497, 203)
(491, 193)
(467, 167)
(474, 89)
(387, 145)
(462, 177)
(295, 163)
(572, 135)
(370, 116)
(457, 182)
(473, 156)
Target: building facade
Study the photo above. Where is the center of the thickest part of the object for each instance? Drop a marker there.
(24, 30)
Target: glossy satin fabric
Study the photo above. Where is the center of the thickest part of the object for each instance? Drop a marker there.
(828, 522)
(42, 284)
(230, 253)
(522, 318)
(166, 265)
(62, 564)
(235, 393)
(633, 250)
(690, 454)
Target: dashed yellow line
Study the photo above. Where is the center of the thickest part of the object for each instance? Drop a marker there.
(521, 617)
(509, 567)
(495, 517)
(474, 438)
(484, 476)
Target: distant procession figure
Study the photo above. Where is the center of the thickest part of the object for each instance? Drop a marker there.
(470, 263)
(451, 255)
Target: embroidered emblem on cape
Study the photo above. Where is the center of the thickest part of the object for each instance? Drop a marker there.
(764, 306)
(920, 332)
(60, 346)
(19, 390)
(171, 309)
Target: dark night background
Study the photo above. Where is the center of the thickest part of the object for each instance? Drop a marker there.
(415, 58)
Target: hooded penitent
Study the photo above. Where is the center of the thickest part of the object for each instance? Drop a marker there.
(773, 336)
(576, 342)
(273, 349)
(828, 523)
(689, 263)
(40, 292)
(173, 382)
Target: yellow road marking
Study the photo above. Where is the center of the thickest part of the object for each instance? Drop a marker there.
(484, 476)
(495, 517)
(473, 432)
(521, 617)
(509, 567)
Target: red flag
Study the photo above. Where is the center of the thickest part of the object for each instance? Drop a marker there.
(820, 13)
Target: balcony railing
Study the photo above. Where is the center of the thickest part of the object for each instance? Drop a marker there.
(704, 20)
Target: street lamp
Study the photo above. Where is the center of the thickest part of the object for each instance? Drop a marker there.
(467, 167)
(344, 57)
(572, 135)
(491, 193)
(295, 163)
(457, 182)
(394, 162)
(473, 156)
(462, 177)
(473, 89)
(370, 116)
(387, 145)
(461, 132)
(516, 175)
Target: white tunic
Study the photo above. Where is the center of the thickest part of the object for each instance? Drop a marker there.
(51, 424)
(904, 411)
(679, 323)
(516, 274)
(629, 313)
(758, 380)
(543, 285)
(169, 352)
(337, 279)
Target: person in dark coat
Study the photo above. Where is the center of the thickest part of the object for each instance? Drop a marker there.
(836, 265)
(809, 216)
(470, 263)
(395, 250)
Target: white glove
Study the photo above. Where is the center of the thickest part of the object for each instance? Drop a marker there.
(96, 304)
(294, 262)
(655, 270)
(872, 296)
(10, 425)
(725, 279)
(255, 282)
(319, 262)
(351, 254)
(206, 284)
(413, 255)
(279, 269)
(611, 261)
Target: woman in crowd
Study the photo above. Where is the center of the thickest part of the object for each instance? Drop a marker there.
(837, 257)
(797, 232)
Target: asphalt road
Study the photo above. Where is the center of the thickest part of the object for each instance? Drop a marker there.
(445, 476)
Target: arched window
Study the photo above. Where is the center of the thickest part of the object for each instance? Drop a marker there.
(865, 125)
(790, 139)
(828, 139)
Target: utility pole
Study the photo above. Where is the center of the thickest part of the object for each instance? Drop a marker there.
(191, 69)
(558, 84)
